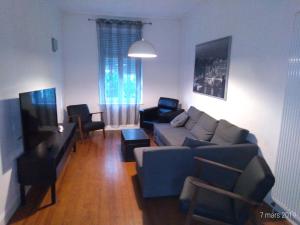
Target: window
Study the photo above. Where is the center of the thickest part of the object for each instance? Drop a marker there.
(120, 75)
(119, 89)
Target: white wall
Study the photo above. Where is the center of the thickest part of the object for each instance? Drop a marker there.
(161, 74)
(81, 61)
(261, 33)
(26, 63)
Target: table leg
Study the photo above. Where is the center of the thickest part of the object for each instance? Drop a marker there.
(23, 197)
(74, 147)
(53, 193)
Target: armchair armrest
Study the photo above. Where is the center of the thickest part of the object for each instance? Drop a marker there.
(101, 114)
(79, 123)
(237, 156)
(199, 184)
(218, 164)
(96, 113)
(151, 109)
(149, 112)
(74, 119)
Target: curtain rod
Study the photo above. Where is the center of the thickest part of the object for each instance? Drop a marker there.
(144, 23)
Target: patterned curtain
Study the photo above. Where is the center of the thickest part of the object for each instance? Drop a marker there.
(120, 77)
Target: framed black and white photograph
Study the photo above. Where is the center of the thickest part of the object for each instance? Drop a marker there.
(211, 67)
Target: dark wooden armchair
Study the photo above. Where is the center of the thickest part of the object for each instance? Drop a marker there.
(81, 115)
(213, 205)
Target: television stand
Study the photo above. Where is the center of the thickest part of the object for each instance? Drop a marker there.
(42, 165)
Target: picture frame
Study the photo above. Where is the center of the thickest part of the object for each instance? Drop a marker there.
(211, 72)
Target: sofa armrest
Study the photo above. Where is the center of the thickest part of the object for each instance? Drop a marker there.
(141, 152)
(164, 169)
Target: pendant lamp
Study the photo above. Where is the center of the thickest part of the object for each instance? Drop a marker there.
(142, 49)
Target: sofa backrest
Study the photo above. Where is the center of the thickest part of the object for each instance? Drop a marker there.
(229, 134)
(194, 115)
(205, 127)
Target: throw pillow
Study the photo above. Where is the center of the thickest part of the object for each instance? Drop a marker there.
(205, 127)
(179, 120)
(190, 142)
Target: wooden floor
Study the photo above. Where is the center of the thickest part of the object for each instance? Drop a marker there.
(98, 188)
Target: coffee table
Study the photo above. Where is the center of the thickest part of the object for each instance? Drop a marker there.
(131, 139)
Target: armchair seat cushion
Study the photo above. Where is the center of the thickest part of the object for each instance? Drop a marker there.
(89, 126)
(209, 204)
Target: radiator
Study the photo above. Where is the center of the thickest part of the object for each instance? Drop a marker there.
(286, 192)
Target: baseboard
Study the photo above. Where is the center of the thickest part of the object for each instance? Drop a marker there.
(108, 127)
(9, 211)
(277, 207)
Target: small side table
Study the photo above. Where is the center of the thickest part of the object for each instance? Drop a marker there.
(131, 139)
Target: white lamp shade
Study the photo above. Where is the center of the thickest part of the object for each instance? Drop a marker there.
(142, 49)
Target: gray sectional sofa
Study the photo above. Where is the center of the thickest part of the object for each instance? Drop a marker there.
(163, 169)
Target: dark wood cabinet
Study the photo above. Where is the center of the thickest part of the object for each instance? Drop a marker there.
(42, 165)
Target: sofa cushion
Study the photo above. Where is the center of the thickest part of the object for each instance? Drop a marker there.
(161, 127)
(176, 136)
(228, 134)
(170, 135)
(179, 120)
(190, 142)
(194, 115)
(205, 127)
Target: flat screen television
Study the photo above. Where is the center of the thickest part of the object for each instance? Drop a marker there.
(39, 116)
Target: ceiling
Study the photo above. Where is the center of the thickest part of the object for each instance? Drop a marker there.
(130, 8)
